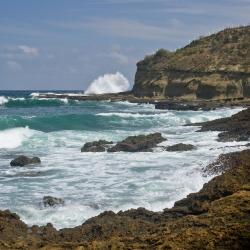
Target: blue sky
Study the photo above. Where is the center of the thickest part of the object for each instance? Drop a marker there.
(66, 44)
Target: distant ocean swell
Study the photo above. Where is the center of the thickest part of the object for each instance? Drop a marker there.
(22, 102)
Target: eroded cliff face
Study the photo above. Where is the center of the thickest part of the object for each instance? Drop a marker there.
(213, 67)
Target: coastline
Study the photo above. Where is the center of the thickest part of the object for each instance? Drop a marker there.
(215, 217)
(159, 102)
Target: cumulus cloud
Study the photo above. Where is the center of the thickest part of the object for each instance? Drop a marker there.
(29, 50)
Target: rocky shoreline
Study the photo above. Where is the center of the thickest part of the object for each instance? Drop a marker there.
(159, 102)
(209, 73)
(216, 217)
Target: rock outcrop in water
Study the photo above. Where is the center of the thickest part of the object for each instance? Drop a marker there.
(96, 146)
(216, 217)
(234, 128)
(180, 147)
(23, 160)
(213, 67)
(50, 201)
(139, 143)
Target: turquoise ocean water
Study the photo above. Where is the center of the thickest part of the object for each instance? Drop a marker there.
(55, 130)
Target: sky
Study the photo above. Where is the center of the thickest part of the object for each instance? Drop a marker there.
(67, 44)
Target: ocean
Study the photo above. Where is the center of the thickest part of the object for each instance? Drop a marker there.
(90, 183)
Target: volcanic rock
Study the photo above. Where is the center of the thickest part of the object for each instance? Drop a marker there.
(235, 128)
(49, 201)
(96, 146)
(139, 143)
(180, 147)
(24, 160)
(216, 217)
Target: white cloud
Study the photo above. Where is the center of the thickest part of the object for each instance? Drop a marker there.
(14, 66)
(29, 50)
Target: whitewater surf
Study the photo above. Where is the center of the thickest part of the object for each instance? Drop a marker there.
(56, 129)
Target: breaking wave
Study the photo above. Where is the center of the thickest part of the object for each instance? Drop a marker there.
(33, 102)
(109, 83)
(17, 135)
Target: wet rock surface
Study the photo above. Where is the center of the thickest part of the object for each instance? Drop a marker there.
(216, 217)
(235, 128)
(139, 143)
(50, 201)
(180, 147)
(96, 146)
(23, 160)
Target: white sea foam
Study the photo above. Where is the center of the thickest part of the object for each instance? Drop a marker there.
(3, 100)
(126, 115)
(109, 83)
(13, 138)
(116, 181)
(65, 100)
(35, 94)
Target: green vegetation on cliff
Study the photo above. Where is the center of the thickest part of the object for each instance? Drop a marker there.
(213, 67)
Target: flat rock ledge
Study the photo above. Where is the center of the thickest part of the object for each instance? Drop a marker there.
(216, 217)
(180, 147)
(23, 160)
(234, 128)
(139, 143)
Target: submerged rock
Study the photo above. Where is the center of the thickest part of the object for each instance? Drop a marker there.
(23, 160)
(139, 143)
(180, 147)
(171, 105)
(96, 146)
(49, 201)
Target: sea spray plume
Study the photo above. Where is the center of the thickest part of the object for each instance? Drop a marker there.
(3, 100)
(109, 83)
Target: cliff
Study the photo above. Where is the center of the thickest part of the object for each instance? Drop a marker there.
(213, 67)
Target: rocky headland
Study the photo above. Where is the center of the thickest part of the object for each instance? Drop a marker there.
(216, 67)
(210, 72)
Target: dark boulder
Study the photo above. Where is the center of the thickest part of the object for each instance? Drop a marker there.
(49, 201)
(171, 105)
(96, 146)
(139, 143)
(180, 147)
(23, 160)
(234, 128)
